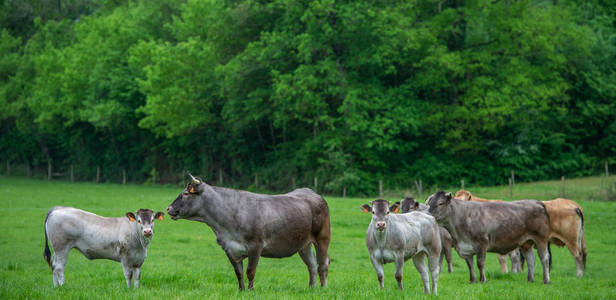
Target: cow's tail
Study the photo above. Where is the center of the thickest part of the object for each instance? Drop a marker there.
(47, 252)
(550, 257)
(581, 236)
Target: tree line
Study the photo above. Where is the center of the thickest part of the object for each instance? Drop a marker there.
(272, 94)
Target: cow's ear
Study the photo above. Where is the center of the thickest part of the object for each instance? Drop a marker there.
(366, 208)
(395, 208)
(130, 216)
(159, 216)
(448, 197)
(191, 188)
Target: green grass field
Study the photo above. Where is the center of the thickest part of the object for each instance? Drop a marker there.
(184, 260)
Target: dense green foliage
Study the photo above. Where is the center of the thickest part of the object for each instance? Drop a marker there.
(185, 262)
(278, 92)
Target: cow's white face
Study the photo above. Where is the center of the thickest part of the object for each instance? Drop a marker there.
(144, 219)
(380, 212)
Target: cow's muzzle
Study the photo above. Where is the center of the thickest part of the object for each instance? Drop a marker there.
(147, 233)
(173, 214)
(380, 225)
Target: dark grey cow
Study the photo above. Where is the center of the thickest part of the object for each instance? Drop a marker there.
(125, 239)
(249, 225)
(398, 237)
(409, 204)
(500, 227)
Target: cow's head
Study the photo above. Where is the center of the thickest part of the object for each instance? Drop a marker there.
(380, 212)
(188, 203)
(440, 206)
(408, 204)
(463, 195)
(144, 218)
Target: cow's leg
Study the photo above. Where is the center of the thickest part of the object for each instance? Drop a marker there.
(136, 276)
(128, 272)
(238, 267)
(58, 261)
(379, 269)
(399, 260)
(251, 269)
(435, 269)
(471, 268)
(544, 256)
(502, 260)
(529, 256)
(516, 262)
(311, 262)
(322, 249)
(419, 261)
(481, 261)
(577, 255)
(447, 252)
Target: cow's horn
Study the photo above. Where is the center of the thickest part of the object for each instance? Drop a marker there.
(194, 180)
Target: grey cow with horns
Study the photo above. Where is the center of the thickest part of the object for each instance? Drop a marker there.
(250, 225)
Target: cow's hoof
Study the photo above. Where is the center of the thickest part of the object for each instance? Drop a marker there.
(546, 282)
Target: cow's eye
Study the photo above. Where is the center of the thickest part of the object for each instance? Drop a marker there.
(139, 221)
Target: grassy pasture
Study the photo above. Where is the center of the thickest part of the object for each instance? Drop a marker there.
(184, 260)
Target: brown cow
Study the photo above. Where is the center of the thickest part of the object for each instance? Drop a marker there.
(516, 258)
(567, 229)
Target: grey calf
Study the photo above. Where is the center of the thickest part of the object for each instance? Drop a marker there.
(124, 240)
(398, 237)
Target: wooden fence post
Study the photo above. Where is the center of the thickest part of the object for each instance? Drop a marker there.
(48, 170)
(418, 185)
(344, 192)
(512, 177)
(98, 174)
(562, 187)
(316, 184)
(293, 182)
(380, 188)
(510, 188)
(220, 183)
(28, 171)
(462, 182)
(607, 171)
(256, 180)
(72, 174)
(123, 175)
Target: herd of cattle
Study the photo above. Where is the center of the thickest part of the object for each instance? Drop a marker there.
(294, 222)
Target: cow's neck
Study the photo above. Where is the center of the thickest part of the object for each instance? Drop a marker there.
(137, 238)
(217, 211)
(457, 210)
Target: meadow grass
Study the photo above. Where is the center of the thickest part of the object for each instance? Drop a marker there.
(184, 260)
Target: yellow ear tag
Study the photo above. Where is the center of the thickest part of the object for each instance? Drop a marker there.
(365, 209)
(191, 189)
(160, 217)
(131, 219)
(396, 210)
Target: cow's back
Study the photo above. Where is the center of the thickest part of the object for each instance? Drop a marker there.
(284, 223)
